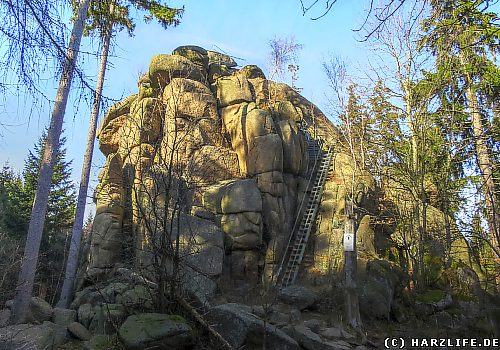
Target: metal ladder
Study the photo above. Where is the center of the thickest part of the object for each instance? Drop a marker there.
(296, 247)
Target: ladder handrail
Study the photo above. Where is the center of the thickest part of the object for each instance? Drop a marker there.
(300, 239)
(309, 141)
(316, 202)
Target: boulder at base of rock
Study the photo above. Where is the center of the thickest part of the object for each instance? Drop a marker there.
(151, 329)
(240, 327)
(63, 317)
(331, 333)
(61, 335)
(314, 324)
(39, 310)
(312, 341)
(79, 331)
(298, 296)
(27, 336)
(102, 341)
(4, 317)
(199, 286)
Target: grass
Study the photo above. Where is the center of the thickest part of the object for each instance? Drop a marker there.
(431, 296)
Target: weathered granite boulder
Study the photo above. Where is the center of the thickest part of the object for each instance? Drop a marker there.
(163, 68)
(155, 330)
(232, 90)
(221, 59)
(101, 341)
(314, 324)
(63, 317)
(109, 132)
(298, 296)
(201, 244)
(378, 288)
(102, 307)
(78, 331)
(107, 238)
(201, 247)
(331, 333)
(107, 317)
(27, 336)
(102, 318)
(39, 311)
(312, 341)
(241, 327)
(189, 99)
(432, 301)
(195, 54)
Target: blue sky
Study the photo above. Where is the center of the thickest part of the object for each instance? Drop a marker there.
(239, 28)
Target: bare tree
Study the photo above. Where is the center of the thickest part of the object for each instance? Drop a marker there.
(32, 34)
(283, 52)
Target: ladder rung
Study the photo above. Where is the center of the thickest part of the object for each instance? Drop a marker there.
(296, 247)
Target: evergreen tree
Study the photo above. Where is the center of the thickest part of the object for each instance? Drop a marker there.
(60, 214)
(14, 209)
(464, 38)
(61, 202)
(385, 132)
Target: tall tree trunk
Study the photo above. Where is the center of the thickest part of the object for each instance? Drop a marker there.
(76, 234)
(416, 176)
(28, 265)
(350, 266)
(484, 161)
(486, 167)
(485, 164)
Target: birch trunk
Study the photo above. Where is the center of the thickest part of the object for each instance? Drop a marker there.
(76, 233)
(28, 265)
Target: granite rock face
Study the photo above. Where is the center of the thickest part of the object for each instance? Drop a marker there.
(220, 147)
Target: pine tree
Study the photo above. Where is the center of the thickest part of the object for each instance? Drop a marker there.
(14, 204)
(61, 200)
(464, 38)
(60, 214)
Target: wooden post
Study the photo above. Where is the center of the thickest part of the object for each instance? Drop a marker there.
(350, 266)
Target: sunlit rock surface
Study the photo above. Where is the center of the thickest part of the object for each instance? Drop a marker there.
(220, 147)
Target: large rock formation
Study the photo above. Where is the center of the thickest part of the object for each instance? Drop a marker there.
(220, 147)
(211, 163)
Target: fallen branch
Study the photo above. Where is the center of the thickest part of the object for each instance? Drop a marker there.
(223, 343)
